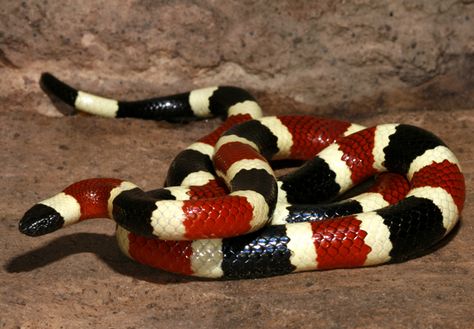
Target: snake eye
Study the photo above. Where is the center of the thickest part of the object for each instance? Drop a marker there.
(39, 220)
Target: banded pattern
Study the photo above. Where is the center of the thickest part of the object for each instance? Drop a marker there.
(197, 104)
(379, 226)
(393, 233)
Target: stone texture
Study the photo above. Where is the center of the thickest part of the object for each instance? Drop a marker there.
(77, 277)
(356, 56)
(406, 61)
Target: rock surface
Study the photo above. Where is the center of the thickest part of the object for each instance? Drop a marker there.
(408, 61)
(334, 56)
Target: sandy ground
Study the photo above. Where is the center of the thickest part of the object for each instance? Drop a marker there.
(77, 277)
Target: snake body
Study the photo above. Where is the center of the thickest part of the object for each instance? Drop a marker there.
(224, 214)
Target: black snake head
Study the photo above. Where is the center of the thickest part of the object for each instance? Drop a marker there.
(39, 220)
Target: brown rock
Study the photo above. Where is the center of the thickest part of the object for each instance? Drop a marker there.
(359, 56)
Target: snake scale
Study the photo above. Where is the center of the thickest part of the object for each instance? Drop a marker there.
(224, 214)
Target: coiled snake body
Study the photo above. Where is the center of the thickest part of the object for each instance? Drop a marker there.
(224, 214)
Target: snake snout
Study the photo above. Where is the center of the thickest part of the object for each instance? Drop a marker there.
(40, 220)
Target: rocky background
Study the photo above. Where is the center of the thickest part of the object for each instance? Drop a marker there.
(355, 57)
(362, 60)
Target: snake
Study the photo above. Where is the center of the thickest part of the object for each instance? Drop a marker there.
(224, 213)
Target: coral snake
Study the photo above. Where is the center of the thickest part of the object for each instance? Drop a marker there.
(224, 213)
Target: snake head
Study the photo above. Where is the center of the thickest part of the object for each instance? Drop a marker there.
(39, 220)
